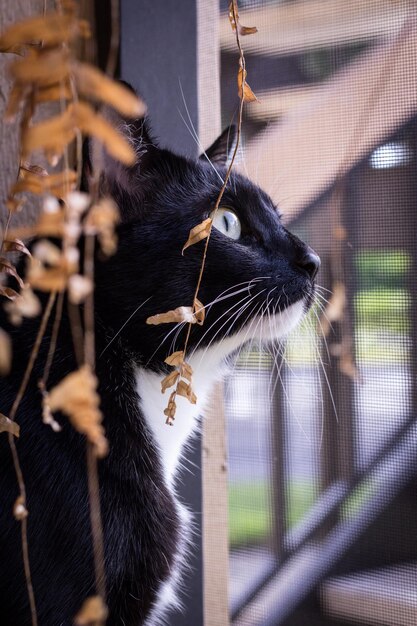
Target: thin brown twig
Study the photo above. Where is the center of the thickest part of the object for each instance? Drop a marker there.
(54, 337)
(92, 463)
(242, 64)
(76, 331)
(96, 521)
(89, 340)
(15, 456)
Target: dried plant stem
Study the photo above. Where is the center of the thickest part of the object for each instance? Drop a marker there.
(16, 462)
(54, 337)
(221, 193)
(96, 522)
(33, 355)
(92, 463)
(76, 332)
(89, 342)
(6, 228)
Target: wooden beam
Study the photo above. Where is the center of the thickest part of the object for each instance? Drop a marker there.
(215, 513)
(279, 102)
(357, 109)
(292, 27)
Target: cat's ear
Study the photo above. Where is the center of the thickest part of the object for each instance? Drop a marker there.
(220, 152)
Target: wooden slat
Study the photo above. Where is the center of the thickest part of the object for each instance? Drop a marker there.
(357, 110)
(293, 27)
(215, 488)
(215, 517)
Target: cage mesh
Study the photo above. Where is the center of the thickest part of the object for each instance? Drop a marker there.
(322, 442)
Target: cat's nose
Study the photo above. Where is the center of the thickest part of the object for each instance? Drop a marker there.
(310, 262)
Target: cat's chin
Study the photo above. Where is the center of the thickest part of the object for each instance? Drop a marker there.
(267, 328)
(259, 330)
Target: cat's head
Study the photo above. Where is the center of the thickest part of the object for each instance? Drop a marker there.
(258, 279)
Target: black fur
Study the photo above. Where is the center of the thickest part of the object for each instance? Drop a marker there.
(160, 200)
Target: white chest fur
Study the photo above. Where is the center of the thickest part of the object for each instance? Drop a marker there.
(208, 366)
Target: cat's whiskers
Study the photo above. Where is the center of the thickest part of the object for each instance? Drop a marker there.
(323, 334)
(178, 327)
(215, 321)
(191, 129)
(321, 288)
(232, 321)
(290, 406)
(123, 325)
(254, 314)
(315, 340)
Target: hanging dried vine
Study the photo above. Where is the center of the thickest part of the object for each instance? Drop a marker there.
(48, 72)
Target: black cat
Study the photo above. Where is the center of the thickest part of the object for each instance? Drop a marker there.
(258, 282)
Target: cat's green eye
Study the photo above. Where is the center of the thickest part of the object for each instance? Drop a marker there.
(227, 222)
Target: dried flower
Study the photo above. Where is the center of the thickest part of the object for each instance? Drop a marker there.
(76, 395)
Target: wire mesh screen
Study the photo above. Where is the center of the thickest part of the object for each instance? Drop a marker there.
(322, 436)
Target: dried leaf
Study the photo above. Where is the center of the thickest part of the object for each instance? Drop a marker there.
(93, 612)
(54, 134)
(43, 67)
(171, 409)
(169, 380)
(175, 359)
(79, 287)
(9, 293)
(348, 366)
(34, 168)
(248, 95)
(247, 30)
(94, 84)
(77, 203)
(199, 312)
(17, 49)
(25, 305)
(199, 232)
(58, 184)
(184, 389)
(234, 21)
(60, 91)
(335, 308)
(180, 314)
(51, 135)
(49, 279)
(17, 96)
(8, 426)
(101, 220)
(14, 205)
(47, 416)
(20, 511)
(50, 270)
(94, 124)
(47, 252)
(186, 371)
(15, 245)
(51, 224)
(76, 395)
(52, 29)
(8, 268)
(5, 353)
